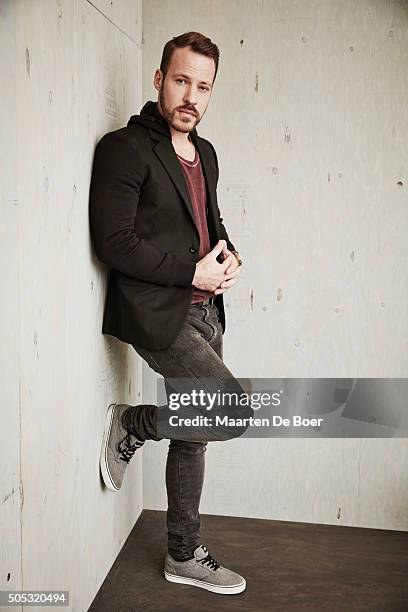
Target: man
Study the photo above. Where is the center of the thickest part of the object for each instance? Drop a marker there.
(155, 221)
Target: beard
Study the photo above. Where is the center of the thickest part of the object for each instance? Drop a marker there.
(175, 119)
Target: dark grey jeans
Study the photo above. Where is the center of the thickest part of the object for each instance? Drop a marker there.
(197, 352)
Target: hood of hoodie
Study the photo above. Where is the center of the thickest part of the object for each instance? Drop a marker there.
(150, 117)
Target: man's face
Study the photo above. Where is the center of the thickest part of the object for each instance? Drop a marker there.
(187, 86)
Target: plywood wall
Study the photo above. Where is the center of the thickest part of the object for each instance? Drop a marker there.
(73, 72)
(11, 492)
(309, 119)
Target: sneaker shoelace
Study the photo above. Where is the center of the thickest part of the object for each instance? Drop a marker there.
(129, 449)
(210, 561)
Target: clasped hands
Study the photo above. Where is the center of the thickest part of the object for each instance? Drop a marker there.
(213, 276)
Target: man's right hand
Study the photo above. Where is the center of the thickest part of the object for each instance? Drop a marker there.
(209, 273)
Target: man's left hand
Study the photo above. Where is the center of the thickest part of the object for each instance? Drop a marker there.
(233, 267)
(225, 253)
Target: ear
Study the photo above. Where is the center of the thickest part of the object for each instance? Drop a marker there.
(157, 79)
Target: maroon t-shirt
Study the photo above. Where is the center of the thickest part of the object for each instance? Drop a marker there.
(196, 186)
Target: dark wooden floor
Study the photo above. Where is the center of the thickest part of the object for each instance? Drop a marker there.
(289, 567)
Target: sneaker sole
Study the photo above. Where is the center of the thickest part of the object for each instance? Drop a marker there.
(214, 588)
(103, 460)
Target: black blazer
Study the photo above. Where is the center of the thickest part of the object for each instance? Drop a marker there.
(142, 226)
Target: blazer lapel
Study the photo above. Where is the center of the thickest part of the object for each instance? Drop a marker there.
(165, 152)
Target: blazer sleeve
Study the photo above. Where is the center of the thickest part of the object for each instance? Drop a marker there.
(117, 177)
(224, 235)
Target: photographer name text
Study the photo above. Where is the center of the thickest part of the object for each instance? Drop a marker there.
(222, 421)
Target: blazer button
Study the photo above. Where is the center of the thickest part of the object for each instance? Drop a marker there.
(192, 249)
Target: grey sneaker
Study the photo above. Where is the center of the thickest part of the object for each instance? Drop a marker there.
(204, 572)
(118, 447)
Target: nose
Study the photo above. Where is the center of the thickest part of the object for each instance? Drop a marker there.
(190, 96)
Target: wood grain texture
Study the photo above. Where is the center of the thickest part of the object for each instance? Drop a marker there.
(11, 486)
(309, 117)
(77, 75)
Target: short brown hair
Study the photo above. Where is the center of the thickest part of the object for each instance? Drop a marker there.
(198, 43)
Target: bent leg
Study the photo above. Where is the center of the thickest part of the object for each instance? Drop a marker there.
(192, 363)
(195, 354)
